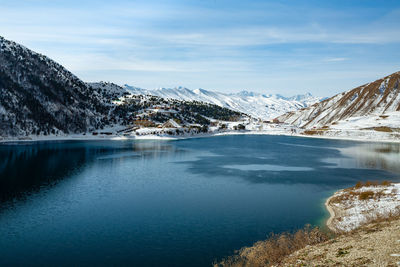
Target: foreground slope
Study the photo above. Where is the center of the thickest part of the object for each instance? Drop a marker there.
(373, 104)
(366, 222)
(39, 96)
(375, 244)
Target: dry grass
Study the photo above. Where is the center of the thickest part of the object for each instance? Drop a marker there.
(350, 193)
(370, 245)
(383, 129)
(273, 250)
(318, 131)
(312, 132)
(276, 249)
(370, 183)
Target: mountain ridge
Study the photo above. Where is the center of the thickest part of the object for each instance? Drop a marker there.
(38, 95)
(255, 104)
(376, 98)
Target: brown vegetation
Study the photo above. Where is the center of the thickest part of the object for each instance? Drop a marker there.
(383, 129)
(273, 250)
(371, 245)
(370, 183)
(366, 195)
(312, 247)
(312, 132)
(350, 193)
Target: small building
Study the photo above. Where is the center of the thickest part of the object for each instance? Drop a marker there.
(171, 124)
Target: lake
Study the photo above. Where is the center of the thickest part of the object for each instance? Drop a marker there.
(170, 203)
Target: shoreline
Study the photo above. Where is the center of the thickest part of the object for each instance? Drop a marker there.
(169, 138)
(332, 214)
(350, 211)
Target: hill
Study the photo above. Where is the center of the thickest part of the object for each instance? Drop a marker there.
(379, 100)
(39, 96)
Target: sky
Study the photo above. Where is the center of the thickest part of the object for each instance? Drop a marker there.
(285, 47)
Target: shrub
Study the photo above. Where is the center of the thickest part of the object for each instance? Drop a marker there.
(366, 195)
(358, 185)
(273, 250)
(371, 183)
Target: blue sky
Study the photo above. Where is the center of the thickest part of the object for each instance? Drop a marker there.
(286, 47)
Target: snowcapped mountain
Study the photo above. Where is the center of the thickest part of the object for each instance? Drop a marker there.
(375, 104)
(255, 104)
(40, 97)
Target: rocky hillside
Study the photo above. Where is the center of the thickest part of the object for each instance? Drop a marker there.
(108, 90)
(379, 100)
(39, 96)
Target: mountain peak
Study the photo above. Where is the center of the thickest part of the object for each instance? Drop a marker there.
(246, 93)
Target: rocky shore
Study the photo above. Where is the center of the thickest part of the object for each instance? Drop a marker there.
(364, 203)
(365, 231)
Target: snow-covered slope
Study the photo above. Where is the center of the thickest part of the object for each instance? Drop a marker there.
(370, 105)
(108, 88)
(254, 104)
(39, 96)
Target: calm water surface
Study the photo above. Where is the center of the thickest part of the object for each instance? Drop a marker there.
(176, 203)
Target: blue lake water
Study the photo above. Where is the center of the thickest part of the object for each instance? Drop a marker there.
(170, 203)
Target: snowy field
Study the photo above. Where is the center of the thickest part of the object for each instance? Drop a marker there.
(351, 208)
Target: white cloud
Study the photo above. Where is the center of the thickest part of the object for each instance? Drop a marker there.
(336, 59)
(203, 44)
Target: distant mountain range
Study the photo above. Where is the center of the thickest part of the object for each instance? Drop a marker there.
(375, 104)
(40, 97)
(254, 104)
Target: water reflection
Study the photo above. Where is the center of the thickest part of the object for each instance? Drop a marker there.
(144, 203)
(328, 163)
(27, 167)
(384, 156)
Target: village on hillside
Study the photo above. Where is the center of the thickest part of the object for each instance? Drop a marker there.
(145, 115)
